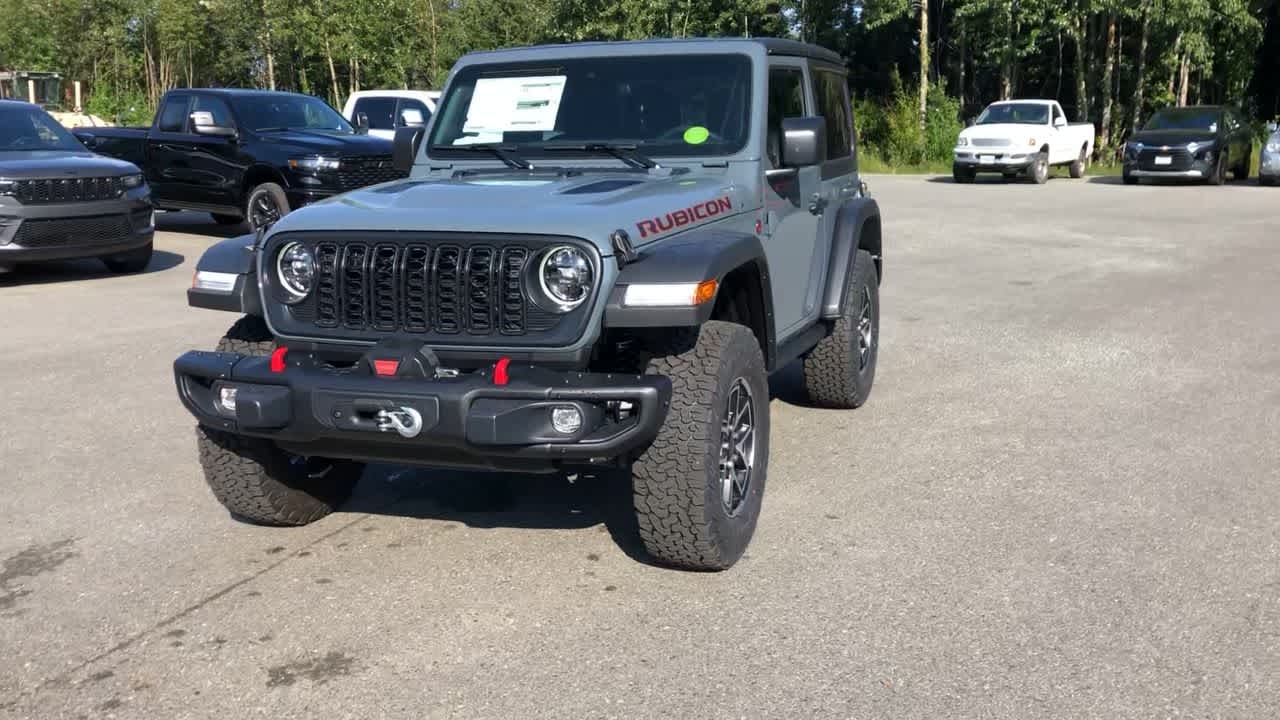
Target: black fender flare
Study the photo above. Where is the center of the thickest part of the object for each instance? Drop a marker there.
(233, 256)
(857, 228)
(693, 257)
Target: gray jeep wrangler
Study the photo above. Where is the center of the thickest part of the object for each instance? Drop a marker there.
(599, 255)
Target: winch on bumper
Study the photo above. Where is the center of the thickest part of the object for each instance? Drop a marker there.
(397, 405)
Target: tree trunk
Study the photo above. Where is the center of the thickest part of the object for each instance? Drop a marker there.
(1079, 34)
(266, 48)
(964, 60)
(1108, 90)
(1139, 96)
(333, 73)
(1177, 67)
(1184, 80)
(1006, 72)
(924, 62)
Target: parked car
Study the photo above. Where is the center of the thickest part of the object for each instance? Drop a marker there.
(1022, 137)
(663, 225)
(59, 201)
(246, 155)
(1199, 143)
(381, 112)
(1269, 165)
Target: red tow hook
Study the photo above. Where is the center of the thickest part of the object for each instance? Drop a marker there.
(277, 359)
(500, 376)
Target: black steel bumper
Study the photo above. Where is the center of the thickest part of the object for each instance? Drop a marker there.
(476, 420)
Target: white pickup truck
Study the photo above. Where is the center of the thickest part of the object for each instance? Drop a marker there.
(1022, 137)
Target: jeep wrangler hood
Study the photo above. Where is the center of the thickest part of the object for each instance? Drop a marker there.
(589, 206)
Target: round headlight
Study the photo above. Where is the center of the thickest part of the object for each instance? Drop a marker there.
(566, 276)
(296, 268)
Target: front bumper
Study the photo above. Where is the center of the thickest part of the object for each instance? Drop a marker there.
(475, 420)
(993, 159)
(1194, 174)
(1269, 165)
(63, 231)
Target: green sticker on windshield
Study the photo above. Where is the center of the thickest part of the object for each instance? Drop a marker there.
(696, 135)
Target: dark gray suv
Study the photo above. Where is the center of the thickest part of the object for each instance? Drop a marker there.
(59, 201)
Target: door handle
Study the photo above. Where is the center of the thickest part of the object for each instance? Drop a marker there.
(818, 204)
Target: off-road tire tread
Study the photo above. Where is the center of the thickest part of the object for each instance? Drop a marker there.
(669, 478)
(830, 369)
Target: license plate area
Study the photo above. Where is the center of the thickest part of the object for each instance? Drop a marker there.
(987, 159)
(1164, 159)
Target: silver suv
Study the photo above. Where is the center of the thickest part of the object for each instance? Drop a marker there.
(600, 254)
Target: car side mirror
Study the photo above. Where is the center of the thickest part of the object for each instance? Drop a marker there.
(404, 148)
(1059, 122)
(411, 117)
(1272, 126)
(362, 122)
(804, 141)
(202, 123)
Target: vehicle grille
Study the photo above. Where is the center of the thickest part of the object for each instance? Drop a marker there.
(73, 232)
(357, 172)
(989, 142)
(1181, 159)
(58, 190)
(446, 288)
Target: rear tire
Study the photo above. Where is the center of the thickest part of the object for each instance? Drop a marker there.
(132, 261)
(695, 506)
(257, 481)
(840, 370)
(266, 204)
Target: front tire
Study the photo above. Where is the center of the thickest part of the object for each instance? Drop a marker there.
(133, 261)
(1219, 174)
(962, 174)
(266, 204)
(840, 370)
(1079, 165)
(257, 481)
(1039, 170)
(1129, 178)
(699, 487)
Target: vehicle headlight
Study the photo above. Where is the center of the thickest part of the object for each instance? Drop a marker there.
(132, 181)
(1193, 147)
(565, 276)
(1137, 146)
(1273, 147)
(296, 268)
(6, 187)
(963, 142)
(314, 164)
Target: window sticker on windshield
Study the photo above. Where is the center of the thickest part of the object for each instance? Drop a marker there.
(696, 135)
(512, 104)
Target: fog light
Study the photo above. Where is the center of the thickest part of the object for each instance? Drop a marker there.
(227, 398)
(566, 420)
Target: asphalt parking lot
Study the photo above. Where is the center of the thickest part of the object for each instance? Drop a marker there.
(1061, 501)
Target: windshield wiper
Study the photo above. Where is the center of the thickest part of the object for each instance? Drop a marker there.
(505, 153)
(626, 153)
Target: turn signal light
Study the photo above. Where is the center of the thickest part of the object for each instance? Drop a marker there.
(705, 292)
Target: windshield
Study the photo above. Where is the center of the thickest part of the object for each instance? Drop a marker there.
(29, 128)
(678, 105)
(289, 112)
(1015, 113)
(1206, 120)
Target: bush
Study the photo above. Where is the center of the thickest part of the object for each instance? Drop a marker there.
(891, 130)
(127, 107)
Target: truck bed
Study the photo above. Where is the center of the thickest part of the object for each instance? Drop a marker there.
(126, 143)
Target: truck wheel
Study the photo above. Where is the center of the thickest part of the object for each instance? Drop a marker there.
(259, 482)
(839, 372)
(227, 219)
(266, 204)
(132, 261)
(962, 174)
(1039, 170)
(1129, 178)
(699, 487)
(1218, 175)
(1078, 165)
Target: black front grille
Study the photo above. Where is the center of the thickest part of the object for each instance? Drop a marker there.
(357, 172)
(1180, 159)
(59, 190)
(73, 232)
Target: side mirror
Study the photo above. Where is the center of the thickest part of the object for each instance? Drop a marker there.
(404, 148)
(804, 141)
(1272, 126)
(362, 122)
(202, 123)
(411, 117)
(1059, 122)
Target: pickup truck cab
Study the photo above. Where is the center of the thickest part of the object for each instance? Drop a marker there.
(1022, 138)
(658, 227)
(246, 155)
(1195, 143)
(381, 112)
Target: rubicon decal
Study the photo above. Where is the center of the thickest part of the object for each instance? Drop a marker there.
(687, 216)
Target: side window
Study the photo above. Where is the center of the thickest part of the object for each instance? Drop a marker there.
(380, 111)
(412, 112)
(786, 100)
(829, 89)
(173, 114)
(215, 106)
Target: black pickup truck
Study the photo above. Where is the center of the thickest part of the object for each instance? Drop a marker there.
(246, 155)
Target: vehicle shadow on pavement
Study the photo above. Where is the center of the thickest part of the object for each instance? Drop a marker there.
(787, 385)
(505, 500)
(196, 223)
(86, 269)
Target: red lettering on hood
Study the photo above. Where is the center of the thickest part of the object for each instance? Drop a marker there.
(684, 216)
